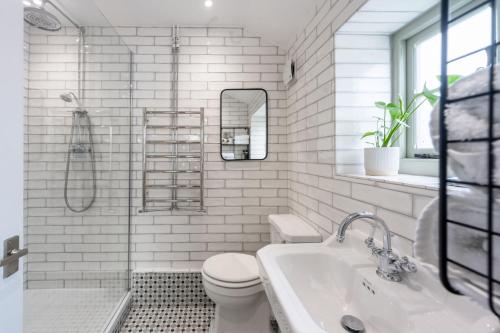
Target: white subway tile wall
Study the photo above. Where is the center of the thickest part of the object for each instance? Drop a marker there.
(355, 93)
(238, 195)
(339, 77)
(311, 133)
(67, 249)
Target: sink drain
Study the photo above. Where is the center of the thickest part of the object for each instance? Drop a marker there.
(352, 324)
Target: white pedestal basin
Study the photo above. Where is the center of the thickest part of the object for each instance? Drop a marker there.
(311, 286)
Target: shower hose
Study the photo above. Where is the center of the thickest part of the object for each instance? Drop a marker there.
(78, 116)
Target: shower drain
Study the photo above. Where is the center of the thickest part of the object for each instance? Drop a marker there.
(352, 324)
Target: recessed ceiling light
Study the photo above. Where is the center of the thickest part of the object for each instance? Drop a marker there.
(27, 3)
(38, 2)
(209, 3)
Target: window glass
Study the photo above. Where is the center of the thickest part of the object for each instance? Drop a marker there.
(467, 35)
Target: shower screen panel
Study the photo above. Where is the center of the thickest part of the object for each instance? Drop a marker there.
(77, 178)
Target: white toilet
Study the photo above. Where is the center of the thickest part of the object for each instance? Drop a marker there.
(232, 281)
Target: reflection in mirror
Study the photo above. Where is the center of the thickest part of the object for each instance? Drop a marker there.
(243, 124)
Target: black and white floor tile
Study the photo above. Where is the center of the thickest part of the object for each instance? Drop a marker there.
(168, 302)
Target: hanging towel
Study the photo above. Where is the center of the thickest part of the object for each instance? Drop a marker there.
(466, 246)
(466, 120)
(228, 156)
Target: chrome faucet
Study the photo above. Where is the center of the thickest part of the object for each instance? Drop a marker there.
(390, 266)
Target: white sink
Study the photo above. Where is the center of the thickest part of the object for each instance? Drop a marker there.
(311, 286)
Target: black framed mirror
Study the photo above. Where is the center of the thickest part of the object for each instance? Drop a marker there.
(243, 124)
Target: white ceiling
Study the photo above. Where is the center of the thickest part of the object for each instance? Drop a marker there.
(276, 21)
(83, 12)
(385, 16)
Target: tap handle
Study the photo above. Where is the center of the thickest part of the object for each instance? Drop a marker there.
(394, 257)
(369, 242)
(406, 265)
(376, 251)
(371, 245)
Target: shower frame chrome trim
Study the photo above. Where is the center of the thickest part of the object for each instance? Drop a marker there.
(66, 16)
(175, 107)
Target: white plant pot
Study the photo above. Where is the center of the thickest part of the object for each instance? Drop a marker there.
(382, 161)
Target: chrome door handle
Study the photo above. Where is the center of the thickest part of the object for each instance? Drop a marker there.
(11, 256)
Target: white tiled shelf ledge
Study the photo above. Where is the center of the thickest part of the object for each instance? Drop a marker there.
(415, 181)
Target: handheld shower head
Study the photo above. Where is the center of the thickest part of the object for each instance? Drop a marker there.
(69, 97)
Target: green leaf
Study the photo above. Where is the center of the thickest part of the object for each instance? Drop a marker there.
(385, 144)
(387, 133)
(367, 134)
(430, 96)
(395, 114)
(392, 106)
(452, 79)
(401, 104)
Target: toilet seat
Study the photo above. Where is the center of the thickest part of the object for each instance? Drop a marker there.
(231, 270)
(232, 282)
(229, 285)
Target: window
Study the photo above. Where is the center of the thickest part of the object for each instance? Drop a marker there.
(423, 66)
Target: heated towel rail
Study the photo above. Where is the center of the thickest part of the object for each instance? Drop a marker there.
(172, 159)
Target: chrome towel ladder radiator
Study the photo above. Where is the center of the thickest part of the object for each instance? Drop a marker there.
(172, 161)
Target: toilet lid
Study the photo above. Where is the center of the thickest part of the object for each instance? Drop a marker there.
(232, 267)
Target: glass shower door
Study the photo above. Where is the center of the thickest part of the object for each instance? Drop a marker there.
(77, 184)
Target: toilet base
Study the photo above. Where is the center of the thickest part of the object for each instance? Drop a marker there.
(243, 319)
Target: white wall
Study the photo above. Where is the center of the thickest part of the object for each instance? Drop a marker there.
(238, 195)
(309, 137)
(323, 131)
(11, 150)
(75, 250)
(234, 114)
(258, 133)
(362, 77)
(363, 73)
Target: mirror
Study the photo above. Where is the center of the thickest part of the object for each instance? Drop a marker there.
(243, 132)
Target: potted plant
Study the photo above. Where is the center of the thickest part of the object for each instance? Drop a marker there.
(383, 158)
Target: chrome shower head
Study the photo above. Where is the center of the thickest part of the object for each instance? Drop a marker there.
(69, 97)
(41, 18)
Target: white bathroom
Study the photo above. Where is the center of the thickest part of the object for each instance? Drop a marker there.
(263, 166)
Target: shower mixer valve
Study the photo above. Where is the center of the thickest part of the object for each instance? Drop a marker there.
(80, 149)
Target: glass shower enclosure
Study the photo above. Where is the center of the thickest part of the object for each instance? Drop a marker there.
(77, 170)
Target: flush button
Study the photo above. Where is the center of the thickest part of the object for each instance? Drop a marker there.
(352, 324)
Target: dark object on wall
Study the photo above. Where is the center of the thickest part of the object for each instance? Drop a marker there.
(489, 188)
(243, 124)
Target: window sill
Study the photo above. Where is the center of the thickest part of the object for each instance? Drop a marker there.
(414, 181)
(420, 167)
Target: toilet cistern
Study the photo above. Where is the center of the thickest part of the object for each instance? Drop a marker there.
(390, 265)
